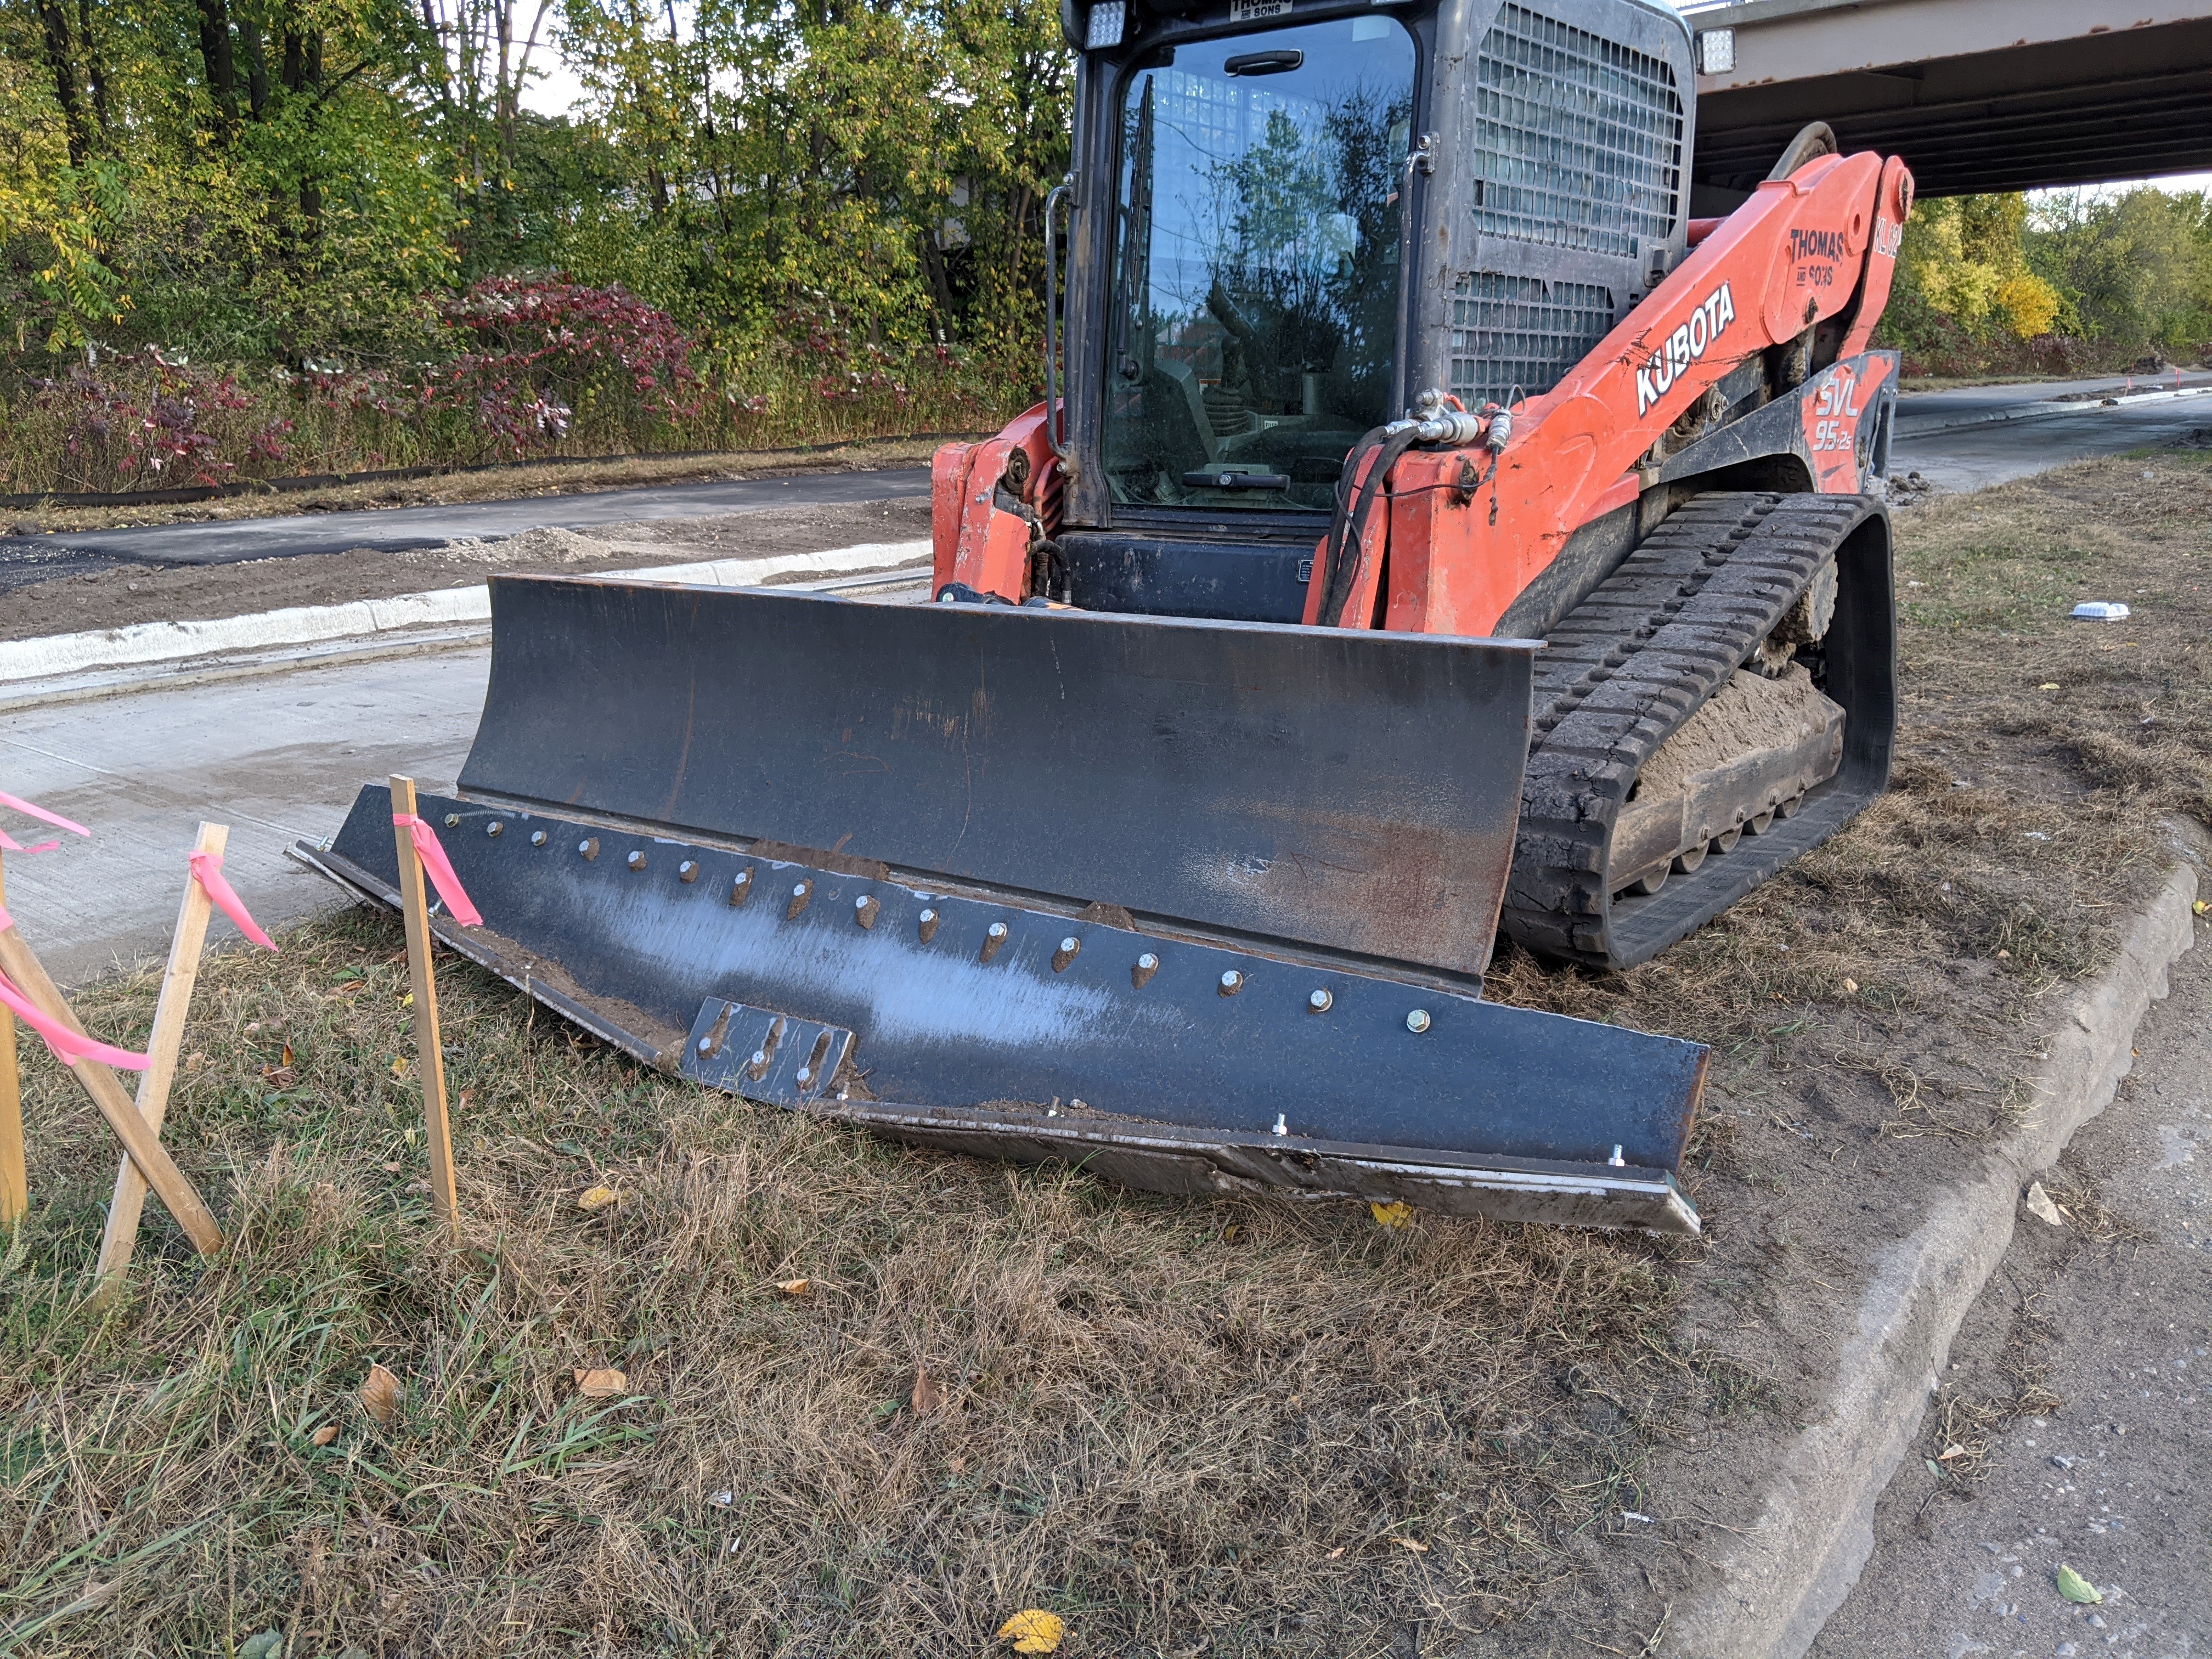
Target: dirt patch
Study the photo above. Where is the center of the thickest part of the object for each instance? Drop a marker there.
(1236, 1426)
(119, 597)
(1750, 712)
(496, 484)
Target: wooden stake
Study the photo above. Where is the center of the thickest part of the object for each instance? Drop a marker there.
(429, 1057)
(146, 1150)
(15, 1187)
(121, 1236)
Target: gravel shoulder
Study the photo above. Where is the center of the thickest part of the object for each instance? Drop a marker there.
(122, 595)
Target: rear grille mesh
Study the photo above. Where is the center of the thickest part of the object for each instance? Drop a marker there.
(1578, 139)
(1521, 331)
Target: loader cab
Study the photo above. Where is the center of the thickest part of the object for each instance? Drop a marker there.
(1240, 305)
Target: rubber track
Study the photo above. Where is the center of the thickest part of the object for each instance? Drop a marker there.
(1624, 669)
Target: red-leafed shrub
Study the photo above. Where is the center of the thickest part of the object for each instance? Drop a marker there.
(148, 422)
(544, 356)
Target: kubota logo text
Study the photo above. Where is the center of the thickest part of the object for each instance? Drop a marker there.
(1684, 347)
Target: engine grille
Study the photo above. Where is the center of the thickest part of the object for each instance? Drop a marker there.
(1509, 331)
(1578, 139)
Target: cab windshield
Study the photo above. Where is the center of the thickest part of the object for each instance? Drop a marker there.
(1254, 322)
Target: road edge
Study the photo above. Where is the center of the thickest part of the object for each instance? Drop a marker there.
(1815, 1530)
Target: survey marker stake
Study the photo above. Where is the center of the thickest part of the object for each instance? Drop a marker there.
(178, 982)
(429, 1057)
(14, 1185)
(169, 1183)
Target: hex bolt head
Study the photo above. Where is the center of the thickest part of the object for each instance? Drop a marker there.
(997, 930)
(1231, 983)
(1617, 1160)
(1065, 954)
(1144, 968)
(1417, 1021)
(494, 829)
(741, 887)
(805, 1074)
(635, 861)
(926, 925)
(688, 871)
(539, 838)
(760, 1056)
(993, 937)
(864, 909)
(589, 847)
(706, 1045)
(800, 894)
(452, 820)
(1321, 1002)
(1282, 1123)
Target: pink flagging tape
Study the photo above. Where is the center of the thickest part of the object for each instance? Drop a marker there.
(207, 870)
(65, 1045)
(9, 844)
(17, 803)
(440, 868)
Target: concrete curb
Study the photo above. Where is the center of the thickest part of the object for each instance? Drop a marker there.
(61, 667)
(1793, 1566)
(2042, 409)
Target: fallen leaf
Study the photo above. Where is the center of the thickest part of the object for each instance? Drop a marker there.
(1950, 1452)
(2074, 1588)
(596, 1198)
(285, 1060)
(391, 1168)
(323, 1436)
(794, 1287)
(957, 1465)
(1033, 1631)
(1851, 988)
(381, 1396)
(927, 1395)
(1334, 1553)
(407, 1001)
(2048, 685)
(1934, 1467)
(1392, 1215)
(269, 1645)
(399, 1066)
(467, 1096)
(1414, 1545)
(278, 1077)
(2201, 908)
(2039, 1203)
(600, 1382)
(722, 1500)
(194, 1060)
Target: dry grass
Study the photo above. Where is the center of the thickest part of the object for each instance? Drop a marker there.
(1174, 1423)
(1190, 1427)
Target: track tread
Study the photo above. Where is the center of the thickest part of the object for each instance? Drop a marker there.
(1625, 668)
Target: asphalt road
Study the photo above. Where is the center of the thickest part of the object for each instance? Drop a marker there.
(1958, 440)
(24, 559)
(2116, 1324)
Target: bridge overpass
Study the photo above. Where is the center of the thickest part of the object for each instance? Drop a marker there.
(1975, 94)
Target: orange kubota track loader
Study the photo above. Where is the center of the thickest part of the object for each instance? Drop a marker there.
(1429, 528)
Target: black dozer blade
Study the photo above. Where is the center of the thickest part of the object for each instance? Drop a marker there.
(1202, 907)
